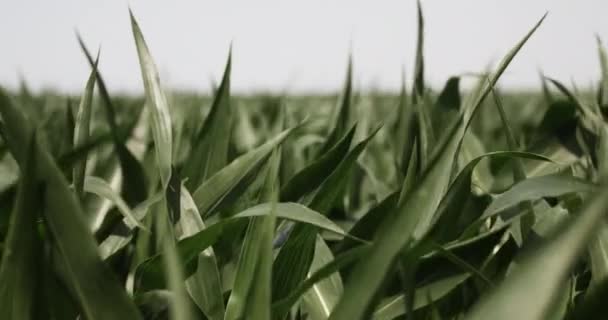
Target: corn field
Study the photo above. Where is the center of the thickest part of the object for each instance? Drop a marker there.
(449, 204)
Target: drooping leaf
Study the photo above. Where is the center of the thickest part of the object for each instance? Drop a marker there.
(535, 188)
(103, 189)
(451, 218)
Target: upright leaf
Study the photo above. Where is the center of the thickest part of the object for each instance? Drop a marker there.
(157, 102)
(210, 146)
(134, 182)
(603, 101)
(294, 260)
(204, 285)
(418, 89)
(82, 129)
(21, 257)
(251, 293)
(344, 111)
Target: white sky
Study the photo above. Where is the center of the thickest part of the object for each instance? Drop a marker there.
(296, 45)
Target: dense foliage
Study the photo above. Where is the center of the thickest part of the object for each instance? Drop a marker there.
(422, 205)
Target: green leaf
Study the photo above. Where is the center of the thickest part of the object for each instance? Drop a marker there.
(293, 262)
(449, 98)
(560, 252)
(603, 102)
(418, 88)
(100, 295)
(134, 182)
(346, 258)
(593, 304)
(393, 307)
(223, 184)
(103, 189)
(115, 242)
(82, 129)
(451, 218)
(204, 285)
(535, 188)
(366, 226)
(309, 178)
(149, 273)
(210, 146)
(344, 112)
(20, 271)
(407, 128)
(105, 96)
(323, 296)
(179, 307)
(157, 102)
(251, 293)
(411, 221)
(598, 255)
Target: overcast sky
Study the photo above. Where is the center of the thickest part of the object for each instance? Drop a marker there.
(296, 45)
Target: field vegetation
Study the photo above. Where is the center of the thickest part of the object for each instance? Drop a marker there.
(448, 204)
